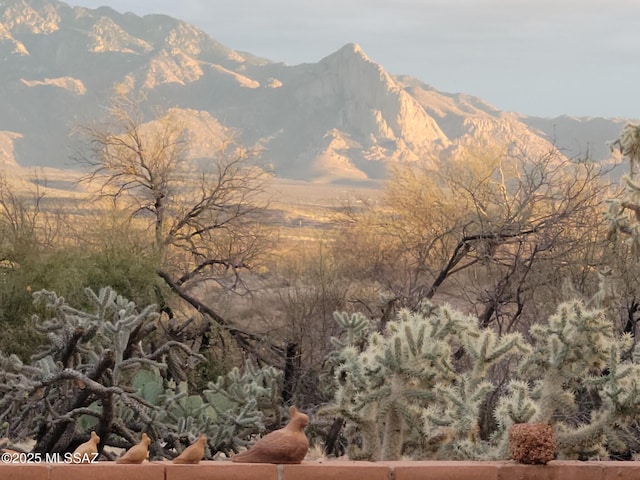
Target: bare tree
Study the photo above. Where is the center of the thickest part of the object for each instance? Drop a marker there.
(204, 215)
(24, 225)
(495, 233)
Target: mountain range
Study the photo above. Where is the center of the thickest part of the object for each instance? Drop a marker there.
(342, 118)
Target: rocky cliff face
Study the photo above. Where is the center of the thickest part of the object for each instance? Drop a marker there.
(343, 117)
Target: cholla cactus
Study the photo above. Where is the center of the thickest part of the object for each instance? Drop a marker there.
(516, 406)
(455, 412)
(617, 215)
(99, 373)
(582, 385)
(420, 387)
(404, 386)
(244, 401)
(84, 377)
(629, 143)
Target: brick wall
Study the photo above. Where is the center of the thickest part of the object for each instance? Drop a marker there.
(326, 470)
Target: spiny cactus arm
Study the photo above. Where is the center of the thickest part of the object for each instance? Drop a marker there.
(219, 388)
(48, 299)
(508, 344)
(238, 385)
(69, 348)
(619, 389)
(557, 344)
(88, 383)
(350, 414)
(353, 372)
(419, 396)
(362, 422)
(81, 398)
(393, 433)
(138, 405)
(634, 189)
(516, 407)
(12, 368)
(174, 396)
(575, 342)
(247, 416)
(243, 421)
(125, 324)
(629, 141)
(435, 417)
(616, 220)
(138, 362)
(585, 440)
(71, 415)
(103, 300)
(135, 401)
(356, 325)
(374, 396)
(119, 428)
(486, 349)
(553, 399)
(446, 322)
(46, 326)
(166, 347)
(185, 425)
(456, 409)
(393, 356)
(371, 446)
(415, 343)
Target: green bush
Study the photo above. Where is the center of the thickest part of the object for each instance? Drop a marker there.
(68, 271)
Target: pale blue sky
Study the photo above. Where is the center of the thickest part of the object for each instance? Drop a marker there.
(536, 57)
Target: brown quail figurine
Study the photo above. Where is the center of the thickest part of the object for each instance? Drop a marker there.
(193, 453)
(88, 450)
(287, 445)
(138, 453)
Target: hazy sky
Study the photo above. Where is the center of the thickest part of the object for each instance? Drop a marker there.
(537, 57)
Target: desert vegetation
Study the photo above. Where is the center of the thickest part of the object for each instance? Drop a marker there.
(174, 296)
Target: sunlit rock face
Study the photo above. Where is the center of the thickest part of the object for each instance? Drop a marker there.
(341, 118)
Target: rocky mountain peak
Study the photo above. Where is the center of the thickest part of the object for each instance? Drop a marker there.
(24, 16)
(374, 105)
(344, 117)
(348, 51)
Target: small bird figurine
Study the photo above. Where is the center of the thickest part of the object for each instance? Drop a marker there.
(87, 451)
(138, 453)
(193, 453)
(287, 445)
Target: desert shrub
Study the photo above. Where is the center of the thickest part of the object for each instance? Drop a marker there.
(68, 271)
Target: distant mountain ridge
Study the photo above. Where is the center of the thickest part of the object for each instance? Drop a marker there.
(342, 118)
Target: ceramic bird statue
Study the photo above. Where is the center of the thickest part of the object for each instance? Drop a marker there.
(138, 453)
(287, 445)
(87, 451)
(193, 453)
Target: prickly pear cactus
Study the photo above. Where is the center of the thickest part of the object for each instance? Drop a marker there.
(230, 411)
